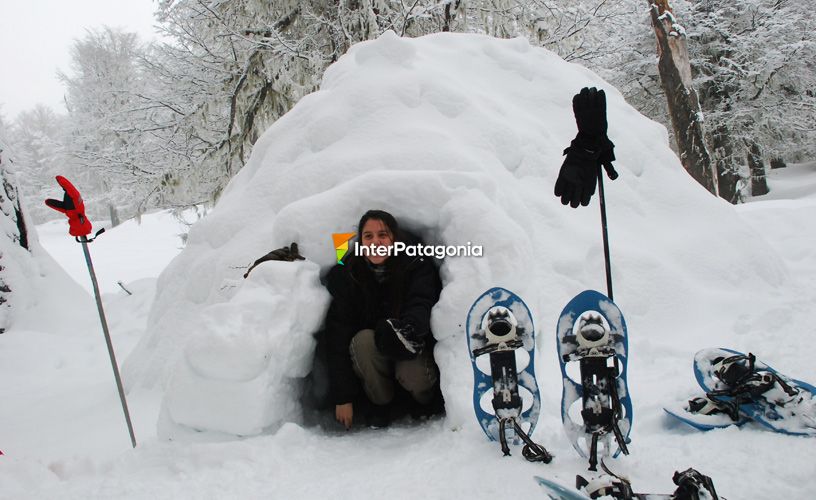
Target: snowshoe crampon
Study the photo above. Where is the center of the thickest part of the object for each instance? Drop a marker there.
(592, 348)
(501, 343)
(749, 388)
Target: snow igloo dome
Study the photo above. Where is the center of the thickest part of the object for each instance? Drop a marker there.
(460, 137)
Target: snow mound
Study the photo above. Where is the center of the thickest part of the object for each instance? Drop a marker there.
(461, 138)
(32, 281)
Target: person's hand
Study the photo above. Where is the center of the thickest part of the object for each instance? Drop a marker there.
(344, 414)
(397, 339)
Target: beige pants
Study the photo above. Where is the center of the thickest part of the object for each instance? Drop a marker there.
(418, 376)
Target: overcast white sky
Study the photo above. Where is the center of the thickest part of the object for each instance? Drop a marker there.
(35, 36)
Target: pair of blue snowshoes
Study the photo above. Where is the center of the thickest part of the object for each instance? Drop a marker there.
(592, 349)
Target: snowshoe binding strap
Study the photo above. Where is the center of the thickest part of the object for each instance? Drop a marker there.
(744, 382)
(730, 406)
(504, 346)
(602, 409)
(692, 485)
(732, 370)
(703, 405)
(599, 487)
(503, 436)
(616, 410)
(608, 484)
(532, 451)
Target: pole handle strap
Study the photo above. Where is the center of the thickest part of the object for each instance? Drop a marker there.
(80, 239)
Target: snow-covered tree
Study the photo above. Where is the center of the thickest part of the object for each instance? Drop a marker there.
(754, 68)
(577, 30)
(230, 69)
(36, 139)
(109, 132)
(751, 63)
(168, 125)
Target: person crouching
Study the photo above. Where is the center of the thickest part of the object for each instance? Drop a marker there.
(378, 327)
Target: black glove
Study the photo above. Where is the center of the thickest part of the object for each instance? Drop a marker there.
(397, 340)
(590, 148)
(589, 107)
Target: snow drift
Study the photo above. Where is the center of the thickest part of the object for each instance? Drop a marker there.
(33, 279)
(460, 137)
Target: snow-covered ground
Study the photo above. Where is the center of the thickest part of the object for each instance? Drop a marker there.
(461, 138)
(134, 250)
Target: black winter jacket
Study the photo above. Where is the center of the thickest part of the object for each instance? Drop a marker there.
(359, 302)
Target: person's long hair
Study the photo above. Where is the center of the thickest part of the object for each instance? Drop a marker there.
(394, 265)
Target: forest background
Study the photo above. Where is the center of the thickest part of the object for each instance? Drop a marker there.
(167, 123)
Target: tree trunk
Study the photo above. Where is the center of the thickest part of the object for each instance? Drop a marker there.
(759, 182)
(16, 232)
(684, 108)
(728, 175)
(10, 207)
(114, 215)
(449, 15)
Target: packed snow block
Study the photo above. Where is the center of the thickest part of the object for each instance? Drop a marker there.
(239, 373)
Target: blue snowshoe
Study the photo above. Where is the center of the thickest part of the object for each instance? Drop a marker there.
(592, 334)
(501, 339)
(749, 388)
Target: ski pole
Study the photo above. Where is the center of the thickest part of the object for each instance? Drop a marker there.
(589, 146)
(80, 227)
(84, 241)
(605, 232)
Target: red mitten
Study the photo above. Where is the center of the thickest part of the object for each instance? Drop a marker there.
(73, 207)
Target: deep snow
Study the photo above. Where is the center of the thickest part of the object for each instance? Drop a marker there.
(460, 137)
